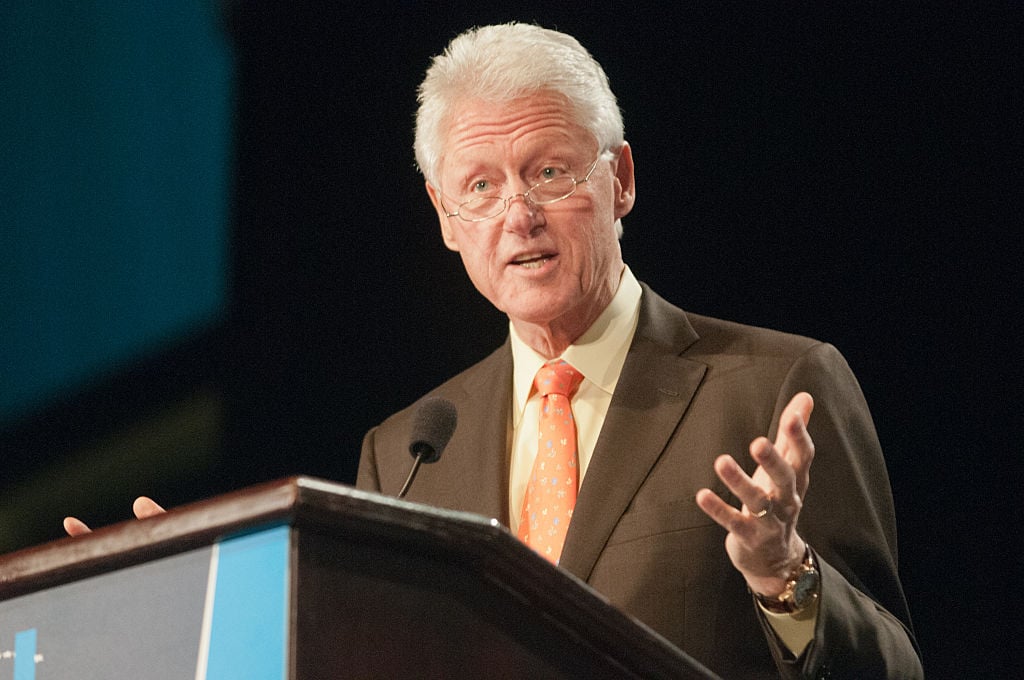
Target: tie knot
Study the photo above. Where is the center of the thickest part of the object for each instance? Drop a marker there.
(557, 377)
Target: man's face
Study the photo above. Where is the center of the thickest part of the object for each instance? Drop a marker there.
(554, 266)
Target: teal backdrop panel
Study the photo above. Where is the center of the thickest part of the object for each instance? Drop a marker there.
(114, 184)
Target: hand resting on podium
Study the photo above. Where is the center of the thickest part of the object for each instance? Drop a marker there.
(143, 507)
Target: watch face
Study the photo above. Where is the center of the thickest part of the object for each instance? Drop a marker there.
(806, 588)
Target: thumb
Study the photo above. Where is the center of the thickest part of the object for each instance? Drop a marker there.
(144, 507)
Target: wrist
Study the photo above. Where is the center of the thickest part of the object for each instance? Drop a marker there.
(773, 584)
(799, 590)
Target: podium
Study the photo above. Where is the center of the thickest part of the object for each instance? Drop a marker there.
(302, 579)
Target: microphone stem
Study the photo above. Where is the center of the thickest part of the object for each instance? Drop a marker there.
(412, 475)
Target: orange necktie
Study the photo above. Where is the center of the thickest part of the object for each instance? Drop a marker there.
(551, 491)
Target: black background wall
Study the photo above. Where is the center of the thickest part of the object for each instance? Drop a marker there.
(852, 174)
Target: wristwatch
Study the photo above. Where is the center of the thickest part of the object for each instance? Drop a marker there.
(802, 588)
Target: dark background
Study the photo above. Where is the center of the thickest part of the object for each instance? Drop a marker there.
(851, 174)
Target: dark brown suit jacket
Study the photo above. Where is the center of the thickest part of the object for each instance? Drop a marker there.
(692, 388)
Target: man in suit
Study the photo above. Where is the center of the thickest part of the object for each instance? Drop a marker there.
(743, 562)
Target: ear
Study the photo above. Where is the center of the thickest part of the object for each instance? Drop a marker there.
(447, 233)
(625, 184)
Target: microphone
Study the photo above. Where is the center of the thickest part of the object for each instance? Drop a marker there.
(431, 429)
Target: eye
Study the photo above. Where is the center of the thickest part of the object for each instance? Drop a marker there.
(550, 173)
(482, 186)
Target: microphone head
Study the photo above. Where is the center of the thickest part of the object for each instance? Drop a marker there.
(432, 428)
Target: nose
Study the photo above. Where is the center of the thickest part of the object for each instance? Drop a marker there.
(523, 215)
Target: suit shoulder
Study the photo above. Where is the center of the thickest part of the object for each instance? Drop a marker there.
(773, 355)
(719, 335)
(667, 324)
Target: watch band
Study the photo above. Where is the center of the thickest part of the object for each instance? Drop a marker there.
(802, 588)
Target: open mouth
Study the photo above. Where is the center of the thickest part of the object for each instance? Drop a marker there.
(532, 261)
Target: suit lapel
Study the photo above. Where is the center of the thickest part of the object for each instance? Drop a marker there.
(653, 393)
(477, 456)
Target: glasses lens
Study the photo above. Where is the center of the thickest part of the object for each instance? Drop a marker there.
(481, 208)
(553, 190)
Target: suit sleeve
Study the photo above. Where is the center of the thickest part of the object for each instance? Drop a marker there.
(863, 626)
(367, 478)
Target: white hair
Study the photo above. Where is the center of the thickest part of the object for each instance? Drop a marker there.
(504, 62)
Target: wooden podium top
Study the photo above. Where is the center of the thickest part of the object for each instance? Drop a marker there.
(459, 541)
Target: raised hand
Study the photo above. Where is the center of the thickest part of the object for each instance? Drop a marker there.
(762, 541)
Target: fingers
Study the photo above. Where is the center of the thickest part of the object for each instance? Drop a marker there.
(801, 405)
(782, 465)
(775, 475)
(761, 546)
(779, 480)
(144, 507)
(793, 443)
(793, 437)
(715, 508)
(756, 497)
(726, 516)
(753, 491)
(762, 541)
(75, 527)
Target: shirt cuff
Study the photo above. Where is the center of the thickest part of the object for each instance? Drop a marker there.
(795, 631)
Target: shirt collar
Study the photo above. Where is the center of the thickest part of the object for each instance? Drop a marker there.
(598, 354)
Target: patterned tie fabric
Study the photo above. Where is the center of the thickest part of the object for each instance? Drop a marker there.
(551, 491)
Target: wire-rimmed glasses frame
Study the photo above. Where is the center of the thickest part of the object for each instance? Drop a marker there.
(543, 193)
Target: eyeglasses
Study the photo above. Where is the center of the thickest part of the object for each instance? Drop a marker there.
(544, 193)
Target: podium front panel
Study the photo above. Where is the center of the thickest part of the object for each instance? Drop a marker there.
(139, 622)
(214, 613)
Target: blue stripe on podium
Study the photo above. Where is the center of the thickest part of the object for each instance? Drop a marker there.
(248, 632)
(25, 655)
